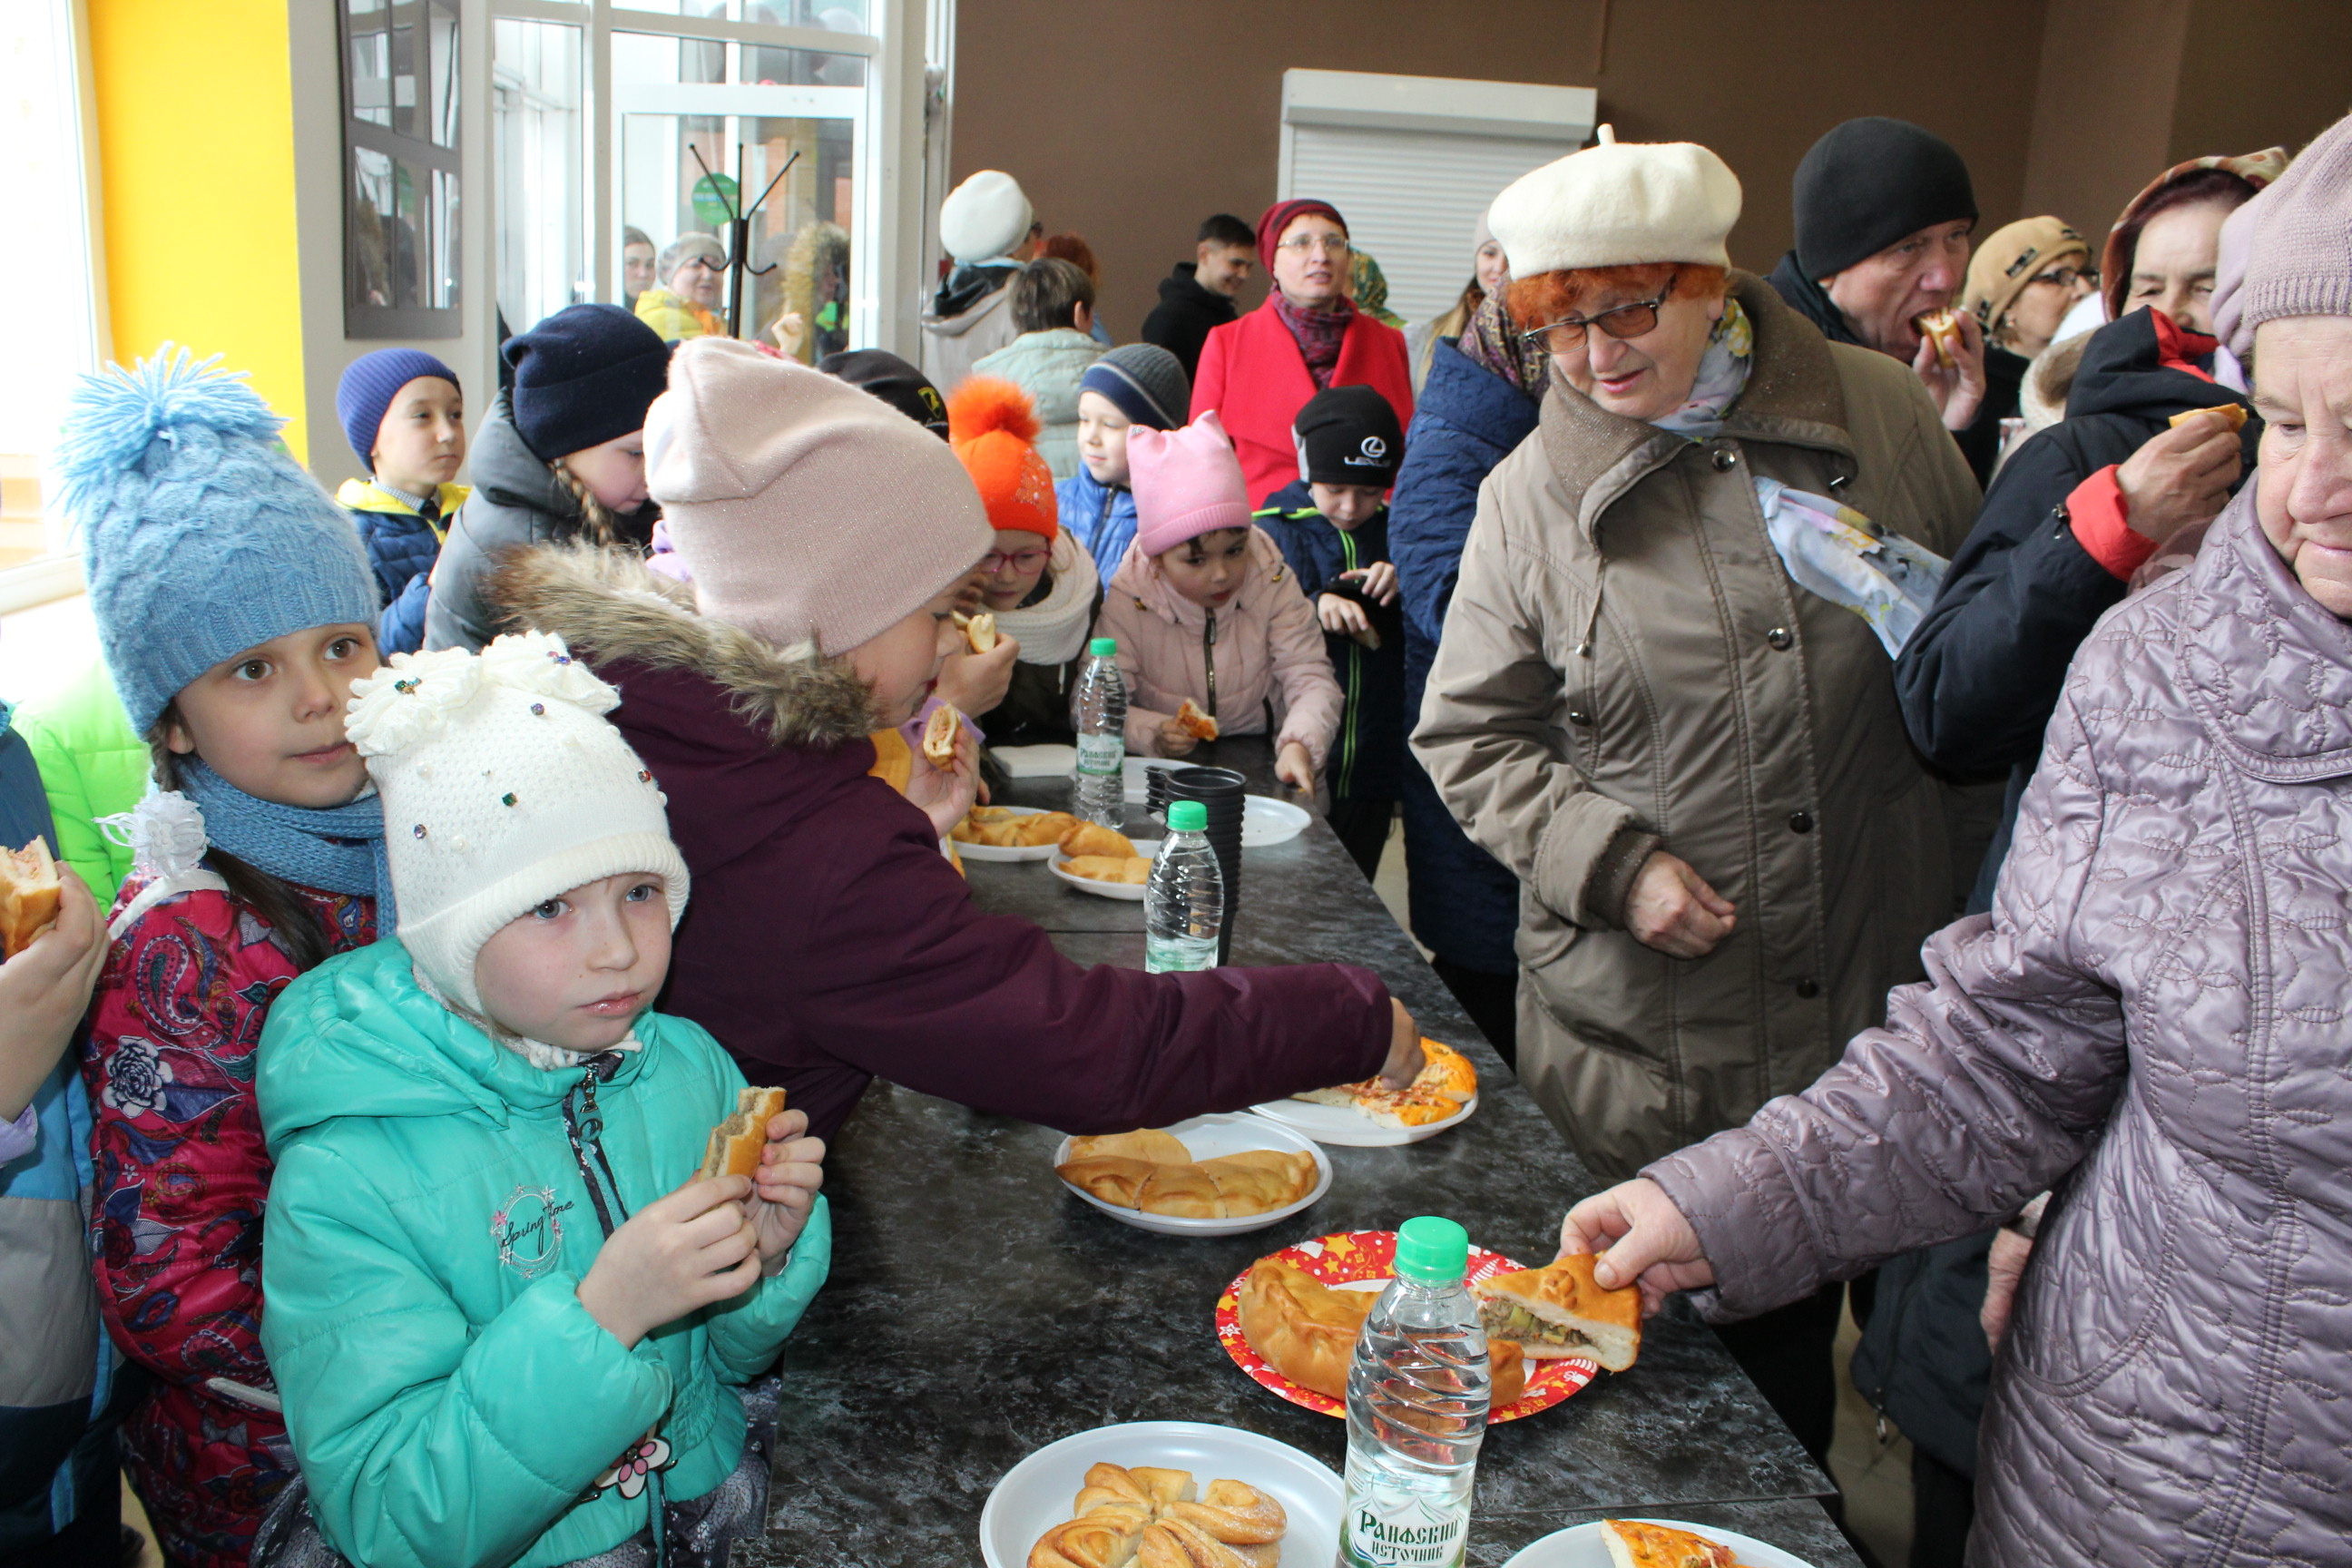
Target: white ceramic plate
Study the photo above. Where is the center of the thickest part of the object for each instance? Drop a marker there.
(1351, 1128)
(1037, 1493)
(1006, 851)
(1213, 1138)
(1129, 892)
(1582, 1547)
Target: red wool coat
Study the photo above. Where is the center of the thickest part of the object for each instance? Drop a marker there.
(1253, 374)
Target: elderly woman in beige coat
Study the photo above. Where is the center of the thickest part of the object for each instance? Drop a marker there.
(1665, 696)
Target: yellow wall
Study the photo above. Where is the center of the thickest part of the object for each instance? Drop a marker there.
(196, 153)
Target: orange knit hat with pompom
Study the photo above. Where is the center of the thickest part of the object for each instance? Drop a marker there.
(993, 427)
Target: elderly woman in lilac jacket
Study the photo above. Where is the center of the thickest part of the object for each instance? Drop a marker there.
(2153, 1021)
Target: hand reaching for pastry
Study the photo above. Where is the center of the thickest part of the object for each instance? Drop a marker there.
(1406, 1058)
(1647, 1240)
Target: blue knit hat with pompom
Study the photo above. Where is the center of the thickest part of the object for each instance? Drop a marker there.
(201, 538)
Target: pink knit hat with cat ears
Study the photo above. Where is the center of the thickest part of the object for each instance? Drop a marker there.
(1187, 483)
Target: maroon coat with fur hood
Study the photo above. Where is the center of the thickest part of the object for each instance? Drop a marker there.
(828, 942)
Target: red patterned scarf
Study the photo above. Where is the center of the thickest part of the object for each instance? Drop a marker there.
(1319, 333)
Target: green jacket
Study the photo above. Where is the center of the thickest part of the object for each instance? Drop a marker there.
(92, 765)
(450, 1400)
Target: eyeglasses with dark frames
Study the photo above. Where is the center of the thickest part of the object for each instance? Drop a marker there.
(1621, 321)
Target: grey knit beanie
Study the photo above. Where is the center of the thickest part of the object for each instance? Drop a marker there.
(2298, 245)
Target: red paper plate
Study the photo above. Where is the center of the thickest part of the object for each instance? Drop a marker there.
(1352, 1255)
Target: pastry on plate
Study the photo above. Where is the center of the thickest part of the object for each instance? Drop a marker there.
(1094, 839)
(1306, 1330)
(1152, 1518)
(1152, 1171)
(1045, 827)
(1132, 870)
(1634, 1544)
(1447, 1081)
(1143, 1144)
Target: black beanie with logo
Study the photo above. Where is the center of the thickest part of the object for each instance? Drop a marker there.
(1349, 435)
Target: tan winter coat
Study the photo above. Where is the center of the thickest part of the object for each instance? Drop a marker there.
(1627, 666)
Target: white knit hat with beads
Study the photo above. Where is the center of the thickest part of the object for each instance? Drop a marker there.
(503, 786)
(1619, 204)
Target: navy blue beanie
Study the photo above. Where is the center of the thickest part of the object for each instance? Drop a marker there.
(584, 376)
(1145, 382)
(369, 384)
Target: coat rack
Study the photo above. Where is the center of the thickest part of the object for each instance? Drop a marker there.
(739, 230)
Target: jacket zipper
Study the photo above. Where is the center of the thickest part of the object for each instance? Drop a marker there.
(1347, 771)
(1209, 660)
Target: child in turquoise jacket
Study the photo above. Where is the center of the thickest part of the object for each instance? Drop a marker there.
(509, 1323)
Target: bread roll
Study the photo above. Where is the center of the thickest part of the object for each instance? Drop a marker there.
(1235, 1514)
(736, 1143)
(940, 735)
(1093, 838)
(1942, 329)
(29, 891)
(978, 631)
(1104, 1539)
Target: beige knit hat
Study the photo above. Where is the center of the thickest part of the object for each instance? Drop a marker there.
(805, 508)
(1619, 204)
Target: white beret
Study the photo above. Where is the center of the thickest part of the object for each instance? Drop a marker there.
(984, 217)
(1619, 204)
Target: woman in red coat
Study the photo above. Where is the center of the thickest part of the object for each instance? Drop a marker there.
(1259, 371)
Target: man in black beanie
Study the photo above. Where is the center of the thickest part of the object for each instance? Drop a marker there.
(1884, 215)
(1332, 523)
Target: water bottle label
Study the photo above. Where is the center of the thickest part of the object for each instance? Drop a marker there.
(1101, 753)
(1406, 1532)
(1178, 955)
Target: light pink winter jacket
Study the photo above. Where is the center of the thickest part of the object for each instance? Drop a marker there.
(1266, 646)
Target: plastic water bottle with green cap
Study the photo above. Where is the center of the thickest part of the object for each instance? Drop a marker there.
(1098, 715)
(1417, 1395)
(1184, 902)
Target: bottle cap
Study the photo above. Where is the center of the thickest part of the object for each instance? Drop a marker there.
(1103, 647)
(1187, 816)
(1430, 1250)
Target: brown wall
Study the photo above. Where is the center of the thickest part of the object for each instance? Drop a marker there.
(2258, 73)
(2103, 114)
(1129, 122)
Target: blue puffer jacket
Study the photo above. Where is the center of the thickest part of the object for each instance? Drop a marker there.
(1465, 905)
(1367, 760)
(1101, 517)
(56, 1370)
(432, 1214)
(402, 546)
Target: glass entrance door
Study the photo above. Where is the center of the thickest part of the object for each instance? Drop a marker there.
(703, 130)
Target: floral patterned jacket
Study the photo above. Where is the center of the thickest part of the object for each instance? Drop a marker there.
(182, 1178)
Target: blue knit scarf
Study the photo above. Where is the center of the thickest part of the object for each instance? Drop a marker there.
(339, 850)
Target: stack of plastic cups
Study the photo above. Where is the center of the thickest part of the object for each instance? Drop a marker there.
(1223, 792)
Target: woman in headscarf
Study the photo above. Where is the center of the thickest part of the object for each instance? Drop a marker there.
(1663, 699)
(1259, 371)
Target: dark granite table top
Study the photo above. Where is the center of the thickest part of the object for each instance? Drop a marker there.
(977, 1310)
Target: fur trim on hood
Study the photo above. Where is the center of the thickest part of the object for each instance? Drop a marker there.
(608, 608)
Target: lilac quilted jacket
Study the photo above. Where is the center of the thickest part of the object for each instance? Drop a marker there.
(2153, 1018)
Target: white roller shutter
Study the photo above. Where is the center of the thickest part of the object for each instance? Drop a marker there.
(1414, 160)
